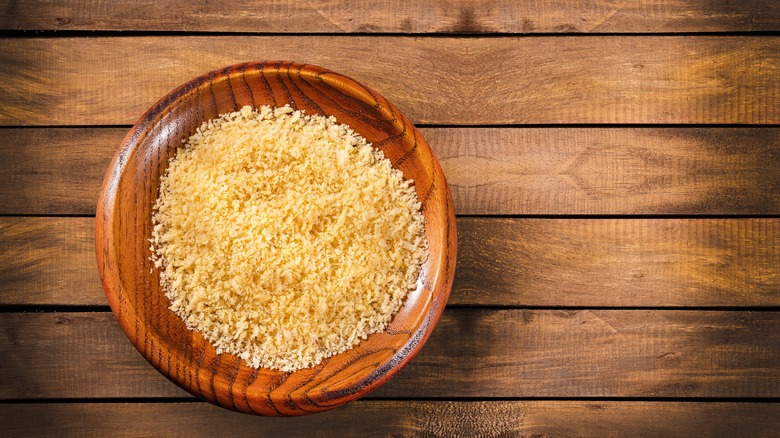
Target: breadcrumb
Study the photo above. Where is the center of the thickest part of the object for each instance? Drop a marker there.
(285, 238)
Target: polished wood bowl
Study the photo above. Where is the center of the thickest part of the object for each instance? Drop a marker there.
(131, 283)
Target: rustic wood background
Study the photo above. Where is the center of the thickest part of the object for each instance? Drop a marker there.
(615, 168)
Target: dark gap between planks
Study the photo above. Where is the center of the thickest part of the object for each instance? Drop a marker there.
(194, 399)
(48, 33)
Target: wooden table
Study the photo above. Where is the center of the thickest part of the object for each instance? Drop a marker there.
(615, 167)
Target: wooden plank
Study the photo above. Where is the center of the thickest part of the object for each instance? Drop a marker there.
(472, 353)
(49, 261)
(54, 171)
(402, 418)
(610, 170)
(501, 262)
(416, 16)
(612, 79)
(72, 350)
(618, 262)
(589, 170)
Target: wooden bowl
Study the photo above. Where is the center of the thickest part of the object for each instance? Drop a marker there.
(131, 283)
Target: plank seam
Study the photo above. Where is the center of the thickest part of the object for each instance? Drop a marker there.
(369, 398)
(54, 33)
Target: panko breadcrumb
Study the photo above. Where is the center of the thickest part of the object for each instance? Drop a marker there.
(285, 238)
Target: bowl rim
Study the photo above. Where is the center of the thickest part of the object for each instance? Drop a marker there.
(106, 216)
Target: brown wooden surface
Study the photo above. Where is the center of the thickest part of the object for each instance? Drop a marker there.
(489, 170)
(472, 353)
(416, 16)
(618, 262)
(640, 369)
(54, 171)
(410, 418)
(501, 262)
(610, 79)
(49, 261)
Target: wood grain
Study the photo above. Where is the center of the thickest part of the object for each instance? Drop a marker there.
(511, 80)
(645, 358)
(618, 262)
(49, 261)
(501, 262)
(54, 171)
(416, 16)
(611, 170)
(588, 170)
(395, 418)
(472, 353)
(104, 352)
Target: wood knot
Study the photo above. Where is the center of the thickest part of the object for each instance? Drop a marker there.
(64, 320)
(467, 23)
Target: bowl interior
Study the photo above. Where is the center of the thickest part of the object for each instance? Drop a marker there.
(131, 283)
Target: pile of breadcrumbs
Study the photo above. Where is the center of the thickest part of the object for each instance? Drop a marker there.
(285, 238)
